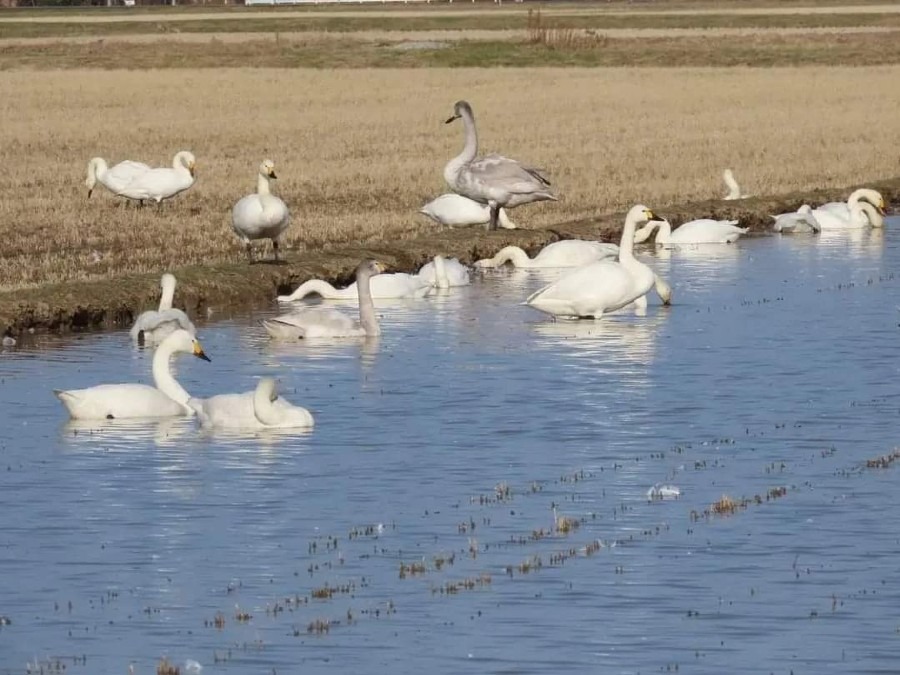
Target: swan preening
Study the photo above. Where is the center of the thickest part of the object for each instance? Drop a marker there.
(734, 190)
(702, 231)
(261, 408)
(330, 323)
(565, 253)
(112, 178)
(121, 401)
(444, 273)
(493, 180)
(801, 220)
(261, 215)
(153, 326)
(160, 184)
(453, 210)
(864, 208)
(603, 286)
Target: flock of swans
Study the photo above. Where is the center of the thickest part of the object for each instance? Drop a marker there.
(602, 277)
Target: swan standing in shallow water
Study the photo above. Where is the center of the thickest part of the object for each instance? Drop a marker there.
(164, 183)
(801, 220)
(734, 190)
(121, 401)
(702, 231)
(493, 180)
(112, 178)
(453, 210)
(565, 253)
(258, 409)
(261, 215)
(603, 286)
(330, 323)
(846, 215)
(444, 273)
(153, 326)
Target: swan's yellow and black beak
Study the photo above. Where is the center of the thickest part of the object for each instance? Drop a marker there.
(90, 192)
(452, 119)
(381, 267)
(191, 168)
(649, 215)
(272, 174)
(199, 353)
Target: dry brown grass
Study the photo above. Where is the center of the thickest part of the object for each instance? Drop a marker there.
(358, 151)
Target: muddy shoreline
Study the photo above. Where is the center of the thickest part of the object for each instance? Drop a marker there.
(223, 290)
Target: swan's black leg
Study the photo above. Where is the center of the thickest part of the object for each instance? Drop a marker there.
(495, 214)
(275, 248)
(249, 251)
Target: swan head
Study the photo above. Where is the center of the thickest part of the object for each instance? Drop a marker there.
(806, 208)
(874, 197)
(663, 290)
(369, 268)
(641, 214)
(266, 389)
(187, 160)
(180, 341)
(267, 169)
(460, 108)
(167, 283)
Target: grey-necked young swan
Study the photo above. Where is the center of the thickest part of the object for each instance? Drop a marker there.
(330, 323)
(261, 215)
(494, 180)
(261, 408)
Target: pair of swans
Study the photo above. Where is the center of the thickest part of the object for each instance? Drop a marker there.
(734, 190)
(138, 181)
(259, 409)
(112, 178)
(495, 181)
(453, 210)
(153, 326)
(439, 273)
(261, 215)
(701, 231)
(331, 323)
(603, 286)
(864, 208)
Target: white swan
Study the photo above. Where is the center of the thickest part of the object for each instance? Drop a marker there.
(444, 273)
(861, 215)
(565, 253)
(383, 287)
(261, 215)
(453, 210)
(493, 180)
(801, 220)
(164, 183)
(112, 178)
(734, 190)
(702, 231)
(153, 326)
(874, 197)
(603, 286)
(258, 409)
(330, 323)
(120, 401)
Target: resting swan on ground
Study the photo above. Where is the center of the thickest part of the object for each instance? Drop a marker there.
(164, 183)
(261, 215)
(734, 190)
(702, 231)
(153, 326)
(258, 409)
(330, 323)
(112, 178)
(453, 210)
(862, 214)
(444, 273)
(603, 286)
(493, 180)
(565, 253)
(119, 401)
(801, 220)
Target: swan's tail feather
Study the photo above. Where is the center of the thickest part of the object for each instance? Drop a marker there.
(280, 330)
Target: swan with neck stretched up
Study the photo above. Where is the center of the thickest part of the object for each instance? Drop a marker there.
(701, 231)
(113, 178)
(154, 325)
(603, 286)
(453, 210)
(330, 323)
(565, 253)
(261, 408)
(444, 273)
(861, 215)
(261, 215)
(494, 180)
(800, 221)
(163, 183)
(734, 190)
(122, 401)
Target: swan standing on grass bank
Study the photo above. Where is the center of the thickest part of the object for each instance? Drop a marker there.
(734, 190)
(330, 323)
(702, 231)
(261, 215)
(258, 409)
(493, 180)
(153, 326)
(801, 220)
(604, 286)
(565, 253)
(453, 210)
(121, 401)
(112, 178)
(164, 183)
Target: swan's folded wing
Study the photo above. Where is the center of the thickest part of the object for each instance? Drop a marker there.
(121, 174)
(310, 323)
(513, 176)
(119, 401)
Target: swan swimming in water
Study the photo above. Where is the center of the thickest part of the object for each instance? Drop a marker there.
(565, 253)
(734, 190)
(453, 210)
(153, 326)
(801, 220)
(112, 178)
(444, 273)
(603, 286)
(261, 215)
(384, 286)
(330, 323)
(258, 409)
(493, 180)
(164, 183)
(701, 231)
(121, 401)
(846, 215)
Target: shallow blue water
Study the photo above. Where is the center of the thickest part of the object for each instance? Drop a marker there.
(446, 443)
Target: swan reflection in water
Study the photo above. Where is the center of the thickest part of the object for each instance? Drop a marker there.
(124, 434)
(858, 243)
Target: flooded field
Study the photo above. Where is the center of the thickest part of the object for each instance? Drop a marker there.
(477, 494)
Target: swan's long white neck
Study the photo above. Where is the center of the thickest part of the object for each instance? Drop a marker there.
(168, 295)
(262, 185)
(470, 149)
(367, 318)
(180, 161)
(162, 375)
(513, 254)
(440, 273)
(96, 167)
(263, 408)
(323, 288)
(664, 233)
(734, 190)
(863, 211)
